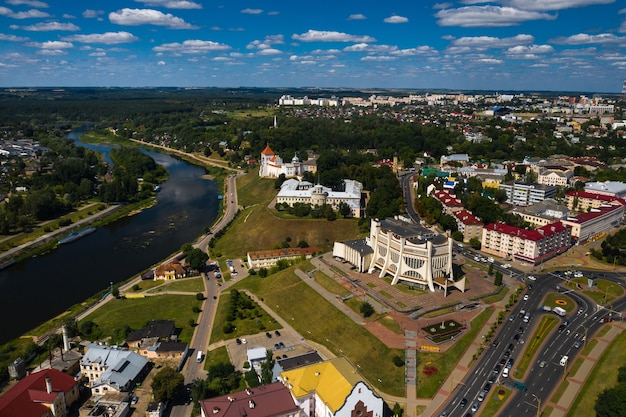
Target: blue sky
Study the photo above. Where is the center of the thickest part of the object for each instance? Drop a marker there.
(556, 45)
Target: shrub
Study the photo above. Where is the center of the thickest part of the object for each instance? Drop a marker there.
(398, 361)
(228, 328)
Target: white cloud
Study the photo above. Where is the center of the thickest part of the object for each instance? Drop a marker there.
(442, 5)
(331, 51)
(136, 17)
(252, 11)
(90, 14)
(12, 38)
(161, 63)
(273, 13)
(621, 11)
(396, 19)
(532, 49)
(108, 38)
(492, 42)
(583, 39)
(487, 16)
(192, 46)
(490, 61)
(550, 5)
(5, 11)
(98, 53)
(51, 52)
(266, 43)
(622, 28)
(50, 26)
(52, 45)
(366, 47)
(269, 51)
(31, 3)
(378, 58)
(330, 36)
(420, 50)
(357, 16)
(172, 4)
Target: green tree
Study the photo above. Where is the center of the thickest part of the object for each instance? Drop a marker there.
(197, 258)
(166, 384)
(457, 235)
(498, 279)
(266, 368)
(612, 402)
(490, 271)
(366, 309)
(475, 243)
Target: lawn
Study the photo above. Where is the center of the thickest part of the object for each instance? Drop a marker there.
(330, 284)
(566, 303)
(545, 325)
(246, 322)
(559, 391)
(249, 231)
(193, 285)
(496, 297)
(603, 375)
(216, 356)
(589, 347)
(316, 318)
(427, 386)
(390, 323)
(137, 312)
(494, 403)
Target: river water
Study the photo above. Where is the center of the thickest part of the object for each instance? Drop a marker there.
(41, 288)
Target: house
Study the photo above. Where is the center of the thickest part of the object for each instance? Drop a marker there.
(554, 177)
(111, 369)
(271, 400)
(269, 258)
(166, 353)
(109, 405)
(170, 271)
(332, 388)
(155, 330)
(256, 356)
(293, 362)
(47, 393)
(450, 203)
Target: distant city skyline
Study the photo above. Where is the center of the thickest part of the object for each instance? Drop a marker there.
(523, 45)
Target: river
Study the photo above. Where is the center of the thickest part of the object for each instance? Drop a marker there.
(41, 288)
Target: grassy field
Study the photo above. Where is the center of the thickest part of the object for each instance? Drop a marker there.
(193, 284)
(314, 317)
(137, 312)
(494, 403)
(251, 228)
(559, 391)
(604, 375)
(552, 297)
(246, 324)
(216, 356)
(589, 347)
(445, 362)
(543, 329)
(330, 284)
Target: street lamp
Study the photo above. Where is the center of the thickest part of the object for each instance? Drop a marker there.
(111, 288)
(538, 405)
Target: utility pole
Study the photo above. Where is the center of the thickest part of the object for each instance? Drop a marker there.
(538, 405)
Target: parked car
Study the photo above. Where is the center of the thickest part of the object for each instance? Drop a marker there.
(463, 402)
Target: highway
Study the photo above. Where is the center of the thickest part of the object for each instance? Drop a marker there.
(509, 342)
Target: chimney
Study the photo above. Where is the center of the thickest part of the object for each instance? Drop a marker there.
(48, 385)
(251, 404)
(66, 341)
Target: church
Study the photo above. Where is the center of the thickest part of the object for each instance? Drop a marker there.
(272, 165)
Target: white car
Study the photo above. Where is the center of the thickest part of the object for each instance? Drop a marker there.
(505, 373)
(525, 297)
(532, 278)
(578, 274)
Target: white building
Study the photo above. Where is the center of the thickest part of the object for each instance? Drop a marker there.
(272, 165)
(293, 191)
(554, 178)
(524, 194)
(412, 254)
(610, 188)
(110, 369)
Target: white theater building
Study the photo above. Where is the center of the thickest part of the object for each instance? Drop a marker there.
(412, 254)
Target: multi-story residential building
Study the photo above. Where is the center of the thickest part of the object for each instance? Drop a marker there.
(524, 194)
(332, 388)
(583, 201)
(597, 220)
(293, 191)
(468, 224)
(553, 177)
(533, 246)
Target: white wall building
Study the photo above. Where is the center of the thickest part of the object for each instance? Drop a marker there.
(272, 165)
(293, 191)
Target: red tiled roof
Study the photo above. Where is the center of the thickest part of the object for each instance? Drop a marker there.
(264, 401)
(26, 398)
(466, 217)
(594, 196)
(446, 199)
(534, 235)
(267, 151)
